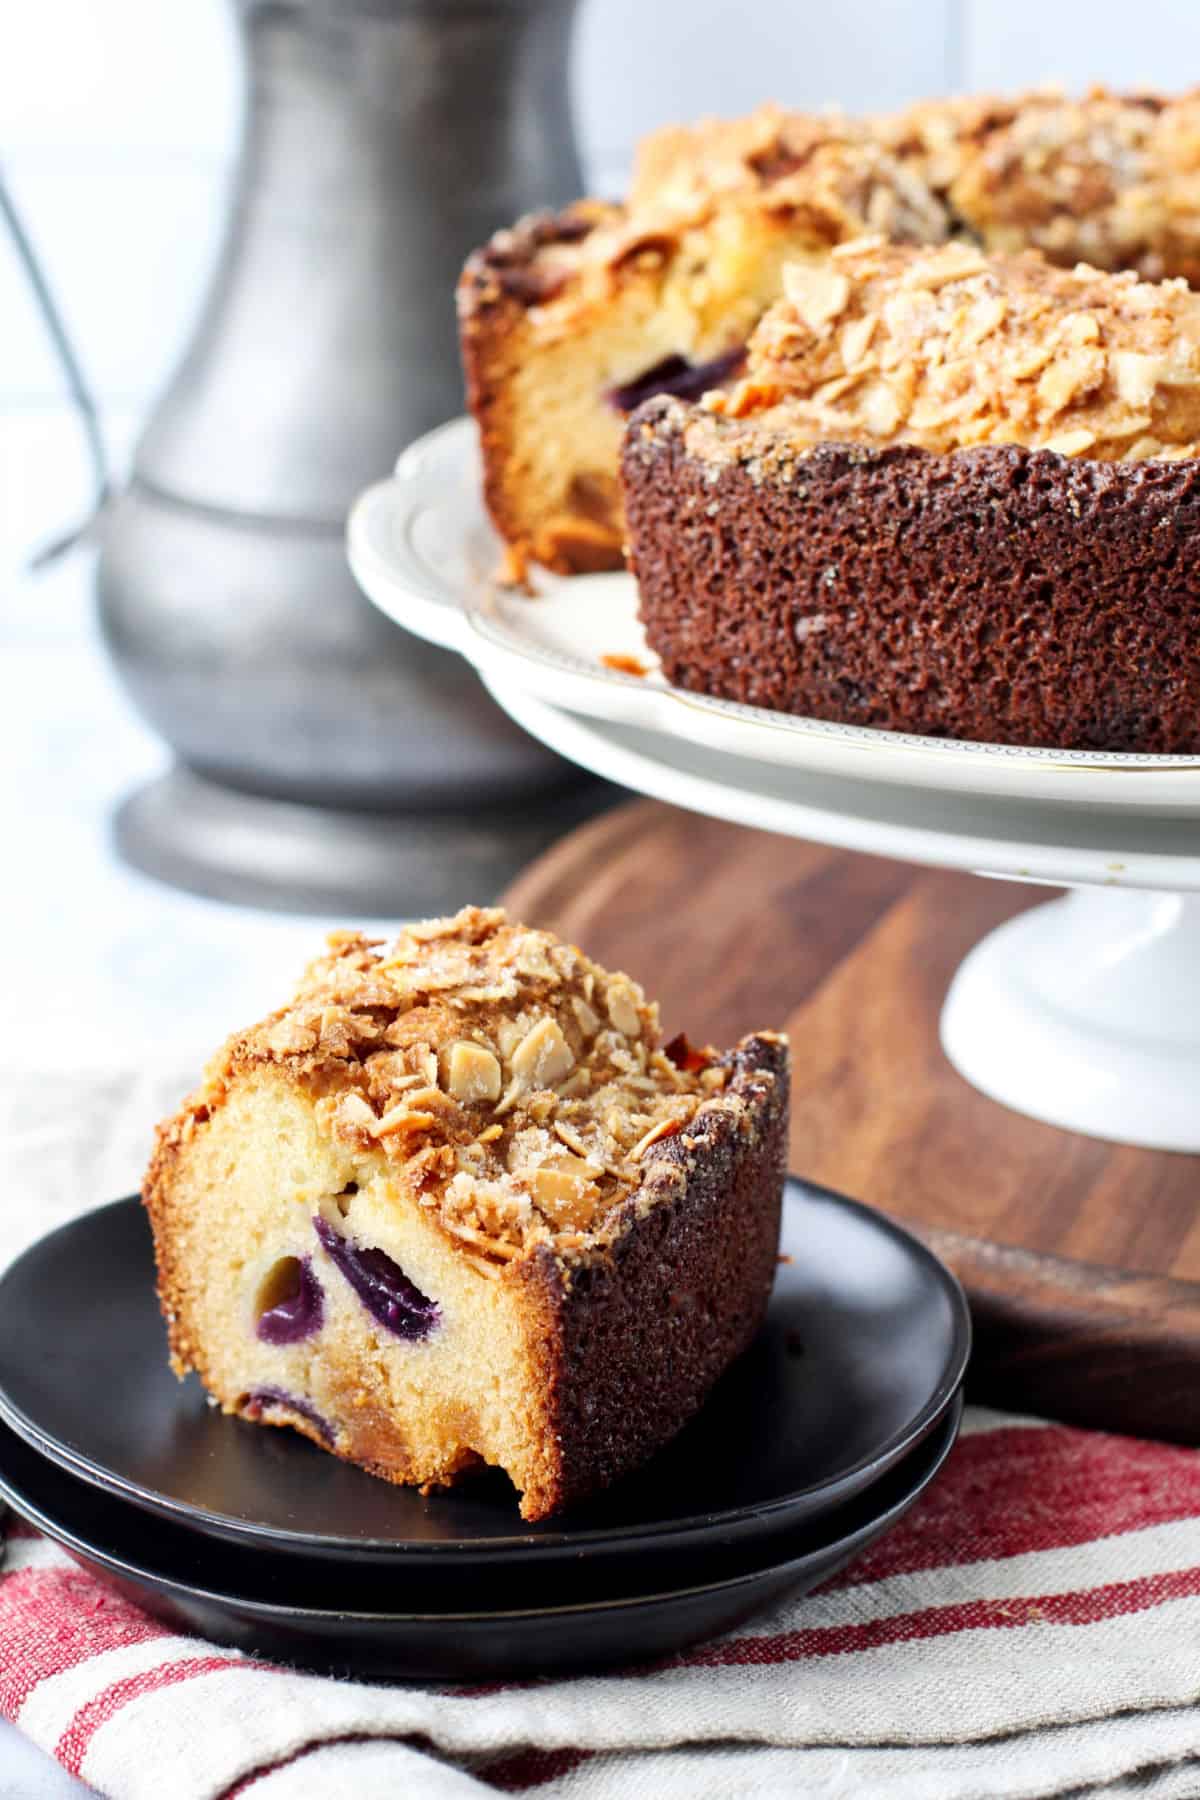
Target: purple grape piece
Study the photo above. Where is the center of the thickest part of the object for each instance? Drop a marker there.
(298, 1314)
(679, 376)
(382, 1286)
(259, 1399)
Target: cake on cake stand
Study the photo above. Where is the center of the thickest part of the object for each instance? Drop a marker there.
(1083, 1012)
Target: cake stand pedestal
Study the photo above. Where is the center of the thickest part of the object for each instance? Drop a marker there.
(1084, 1012)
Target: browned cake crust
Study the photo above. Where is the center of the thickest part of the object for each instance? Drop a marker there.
(1001, 594)
(624, 1373)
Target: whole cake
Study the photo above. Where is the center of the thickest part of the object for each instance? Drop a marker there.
(569, 321)
(952, 494)
(454, 1205)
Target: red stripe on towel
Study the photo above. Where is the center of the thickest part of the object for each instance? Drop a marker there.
(532, 1768)
(1089, 1606)
(72, 1746)
(54, 1619)
(1020, 1489)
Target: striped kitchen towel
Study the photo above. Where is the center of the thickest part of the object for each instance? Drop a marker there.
(1031, 1628)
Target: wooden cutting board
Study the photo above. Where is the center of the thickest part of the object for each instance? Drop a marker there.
(1082, 1259)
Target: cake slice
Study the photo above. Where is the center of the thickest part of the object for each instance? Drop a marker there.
(568, 322)
(454, 1205)
(952, 495)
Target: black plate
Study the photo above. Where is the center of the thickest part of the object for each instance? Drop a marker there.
(865, 1344)
(321, 1615)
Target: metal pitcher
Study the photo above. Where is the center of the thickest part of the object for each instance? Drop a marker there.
(383, 140)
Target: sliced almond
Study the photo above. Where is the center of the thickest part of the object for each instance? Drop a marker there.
(856, 337)
(954, 262)
(1080, 329)
(982, 320)
(818, 293)
(586, 1019)
(881, 409)
(1071, 443)
(1069, 376)
(665, 1128)
(621, 1001)
(552, 1189)
(403, 1117)
(543, 1056)
(1136, 375)
(472, 1073)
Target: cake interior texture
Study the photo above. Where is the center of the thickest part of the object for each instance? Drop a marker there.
(569, 321)
(951, 494)
(455, 1205)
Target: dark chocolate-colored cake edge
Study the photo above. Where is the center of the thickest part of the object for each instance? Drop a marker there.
(634, 1344)
(999, 594)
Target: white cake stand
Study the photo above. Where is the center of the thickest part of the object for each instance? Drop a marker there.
(1084, 1012)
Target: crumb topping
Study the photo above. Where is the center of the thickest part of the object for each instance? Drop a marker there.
(512, 1082)
(947, 349)
(1110, 179)
(829, 168)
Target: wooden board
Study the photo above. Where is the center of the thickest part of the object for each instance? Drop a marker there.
(1082, 1259)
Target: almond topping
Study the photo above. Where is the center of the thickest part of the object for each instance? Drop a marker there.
(1136, 375)
(1071, 443)
(818, 293)
(1068, 376)
(622, 1009)
(856, 336)
(952, 263)
(664, 1129)
(587, 1020)
(403, 1118)
(543, 1056)
(553, 1188)
(472, 1073)
(881, 409)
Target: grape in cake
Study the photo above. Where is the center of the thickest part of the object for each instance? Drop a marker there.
(568, 322)
(952, 495)
(455, 1205)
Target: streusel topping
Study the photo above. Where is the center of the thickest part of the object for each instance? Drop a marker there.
(828, 166)
(515, 1084)
(948, 349)
(1113, 179)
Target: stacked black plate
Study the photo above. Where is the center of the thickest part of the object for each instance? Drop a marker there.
(817, 1441)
